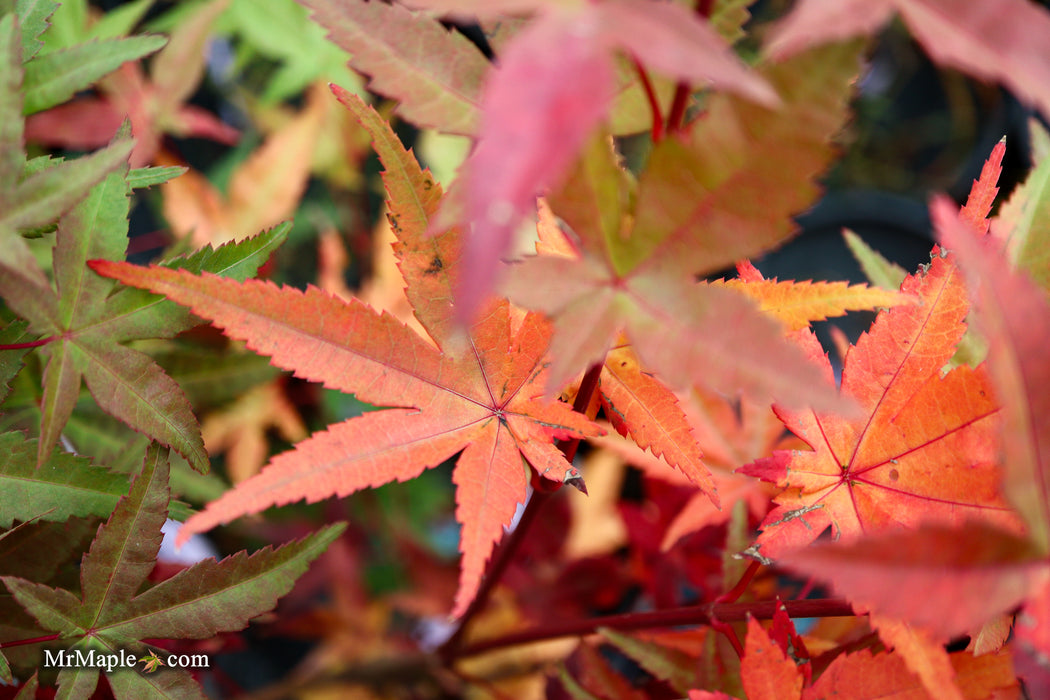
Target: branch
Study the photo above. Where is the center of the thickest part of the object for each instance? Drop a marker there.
(699, 615)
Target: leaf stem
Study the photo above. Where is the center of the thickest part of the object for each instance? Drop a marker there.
(677, 114)
(23, 346)
(733, 594)
(696, 615)
(509, 547)
(588, 388)
(676, 117)
(657, 132)
(727, 631)
(34, 640)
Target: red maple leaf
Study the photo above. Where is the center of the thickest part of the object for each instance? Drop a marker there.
(1001, 40)
(480, 396)
(924, 448)
(555, 83)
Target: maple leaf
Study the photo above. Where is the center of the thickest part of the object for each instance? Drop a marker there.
(637, 404)
(55, 77)
(125, 382)
(87, 324)
(263, 191)
(879, 271)
(924, 654)
(154, 107)
(1001, 40)
(923, 450)
(11, 357)
(480, 396)
(799, 304)
(63, 486)
(89, 197)
(1014, 314)
(111, 614)
(435, 74)
(151, 662)
(554, 84)
(767, 672)
(958, 577)
(985, 187)
(641, 282)
(866, 676)
(990, 570)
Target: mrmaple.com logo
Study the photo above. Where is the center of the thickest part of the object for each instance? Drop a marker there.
(77, 658)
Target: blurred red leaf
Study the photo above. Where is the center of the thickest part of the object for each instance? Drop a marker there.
(554, 84)
(1000, 40)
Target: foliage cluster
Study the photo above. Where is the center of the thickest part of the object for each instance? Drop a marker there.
(793, 524)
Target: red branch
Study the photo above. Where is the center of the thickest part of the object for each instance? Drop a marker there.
(698, 615)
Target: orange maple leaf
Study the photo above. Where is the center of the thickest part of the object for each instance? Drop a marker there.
(798, 304)
(925, 447)
(480, 396)
(264, 190)
(766, 671)
(733, 434)
(863, 675)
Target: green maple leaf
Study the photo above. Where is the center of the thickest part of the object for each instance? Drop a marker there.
(111, 614)
(89, 198)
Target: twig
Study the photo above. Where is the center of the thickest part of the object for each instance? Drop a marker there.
(698, 615)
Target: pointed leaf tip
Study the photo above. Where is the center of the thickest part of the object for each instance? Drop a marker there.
(985, 188)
